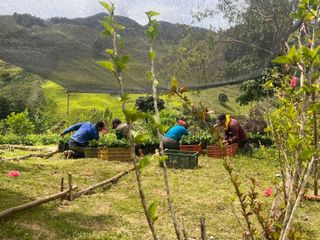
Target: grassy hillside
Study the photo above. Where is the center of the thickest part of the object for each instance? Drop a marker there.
(67, 50)
(81, 103)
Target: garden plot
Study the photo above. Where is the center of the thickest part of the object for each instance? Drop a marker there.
(117, 213)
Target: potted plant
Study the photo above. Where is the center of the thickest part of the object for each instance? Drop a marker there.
(149, 145)
(195, 142)
(113, 149)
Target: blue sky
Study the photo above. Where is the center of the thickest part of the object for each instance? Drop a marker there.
(175, 11)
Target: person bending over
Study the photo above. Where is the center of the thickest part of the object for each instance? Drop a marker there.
(85, 132)
(121, 129)
(233, 131)
(173, 135)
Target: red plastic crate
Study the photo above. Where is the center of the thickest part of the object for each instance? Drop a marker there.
(192, 148)
(216, 152)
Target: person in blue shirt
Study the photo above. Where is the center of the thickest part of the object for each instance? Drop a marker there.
(85, 132)
(173, 135)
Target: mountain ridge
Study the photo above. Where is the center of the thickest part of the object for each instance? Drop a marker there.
(66, 50)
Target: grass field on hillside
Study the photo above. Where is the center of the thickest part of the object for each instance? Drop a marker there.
(6, 68)
(116, 213)
(56, 101)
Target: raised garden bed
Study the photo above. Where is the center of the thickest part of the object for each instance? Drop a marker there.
(114, 154)
(91, 152)
(217, 152)
(181, 159)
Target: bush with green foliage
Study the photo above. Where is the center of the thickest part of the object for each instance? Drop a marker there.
(146, 104)
(258, 139)
(253, 90)
(200, 136)
(30, 140)
(223, 98)
(111, 140)
(19, 123)
(94, 143)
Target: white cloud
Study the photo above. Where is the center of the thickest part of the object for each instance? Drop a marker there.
(175, 11)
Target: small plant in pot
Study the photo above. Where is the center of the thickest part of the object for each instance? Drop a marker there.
(191, 143)
(148, 146)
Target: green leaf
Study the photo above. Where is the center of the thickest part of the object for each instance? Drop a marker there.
(118, 26)
(141, 138)
(151, 14)
(281, 60)
(145, 161)
(152, 54)
(162, 128)
(174, 85)
(105, 33)
(124, 98)
(110, 8)
(107, 26)
(108, 65)
(149, 75)
(315, 52)
(109, 51)
(139, 115)
(152, 211)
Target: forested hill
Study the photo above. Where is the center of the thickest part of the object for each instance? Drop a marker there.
(66, 50)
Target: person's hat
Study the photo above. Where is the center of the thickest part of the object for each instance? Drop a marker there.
(182, 123)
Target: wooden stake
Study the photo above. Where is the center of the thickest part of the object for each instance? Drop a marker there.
(184, 231)
(203, 228)
(62, 186)
(41, 155)
(104, 183)
(70, 196)
(38, 202)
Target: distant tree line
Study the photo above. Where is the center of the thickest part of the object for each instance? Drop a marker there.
(28, 21)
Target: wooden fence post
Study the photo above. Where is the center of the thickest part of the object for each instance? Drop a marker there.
(62, 187)
(70, 196)
(203, 228)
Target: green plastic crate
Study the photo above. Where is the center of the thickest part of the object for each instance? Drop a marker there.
(181, 159)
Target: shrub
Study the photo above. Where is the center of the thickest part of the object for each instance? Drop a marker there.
(200, 136)
(257, 139)
(30, 140)
(145, 104)
(19, 123)
(94, 143)
(223, 98)
(110, 140)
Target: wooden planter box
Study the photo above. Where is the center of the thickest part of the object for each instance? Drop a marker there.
(91, 153)
(115, 154)
(216, 152)
(181, 159)
(193, 148)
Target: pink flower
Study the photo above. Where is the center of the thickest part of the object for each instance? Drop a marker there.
(14, 174)
(294, 82)
(267, 192)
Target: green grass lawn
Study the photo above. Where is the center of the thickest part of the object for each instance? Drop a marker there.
(116, 213)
